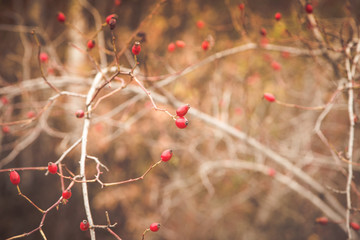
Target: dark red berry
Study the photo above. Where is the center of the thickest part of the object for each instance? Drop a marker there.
(44, 57)
(166, 155)
(205, 45)
(52, 168)
(171, 47)
(66, 194)
(181, 122)
(108, 18)
(263, 32)
(322, 220)
(79, 113)
(136, 48)
(277, 16)
(90, 44)
(182, 110)
(270, 97)
(112, 23)
(155, 227)
(61, 17)
(355, 226)
(14, 177)
(180, 43)
(309, 8)
(84, 225)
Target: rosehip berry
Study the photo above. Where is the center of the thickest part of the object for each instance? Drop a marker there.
(270, 97)
(136, 48)
(322, 220)
(200, 24)
(285, 54)
(263, 32)
(355, 226)
(4, 100)
(117, 2)
(30, 114)
(271, 172)
(66, 194)
(155, 227)
(14, 177)
(90, 44)
(61, 17)
(276, 66)
(108, 18)
(84, 225)
(180, 44)
(182, 110)
(181, 122)
(5, 129)
(44, 57)
(241, 6)
(171, 47)
(166, 155)
(205, 45)
(52, 168)
(309, 8)
(277, 16)
(112, 23)
(79, 113)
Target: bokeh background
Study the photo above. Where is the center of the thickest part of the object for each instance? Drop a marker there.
(127, 135)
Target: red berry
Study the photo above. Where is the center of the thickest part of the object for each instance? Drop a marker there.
(200, 24)
(5, 129)
(182, 110)
(155, 227)
(276, 66)
(355, 226)
(66, 194)
(181, 122)
(108, 18)
(14, 177)
(4, 100)
(61, 17)
(84, 225)
(277, 16)
(180, 43)
(136, 48)
(309, 8)
(52, 168)
(322, 220)
(112, 23)
(271, 172)
(90, 44)
(205, 45)
(171, 47)
(166, 155)
(263, 32)
(30, 114)
(270, 97)
(117, 2)
(44, 57)
(79, 113)
(241, 6)
(285, 54)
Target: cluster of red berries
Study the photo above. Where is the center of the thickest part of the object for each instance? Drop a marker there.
(181, 121)
(172, 46)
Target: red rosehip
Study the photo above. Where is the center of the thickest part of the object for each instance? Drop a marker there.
(166, 155)
(270, 97)
(241, 6)
(171, 47)
(263, 32)
(4, 100)
(14, 177)
(30, 114)
(271, 172)
(79, 113)
(155, 227)
(277, 16)
(136, 48)
(309, 8)
(322, 220)
(182, 110)
(108, 18)
(355, 226)
(61, 17)
(44, 57)
(5, 129)
(90, 44)
(117, 2)
(285, 54)
(276, 66)
(66, 194)
(200, 24)
(84, 225)
(112, 23)
(205, 45)
(52, 168)
(181, 122)
(180, 43)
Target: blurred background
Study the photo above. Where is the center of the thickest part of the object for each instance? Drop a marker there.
(201, 193)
